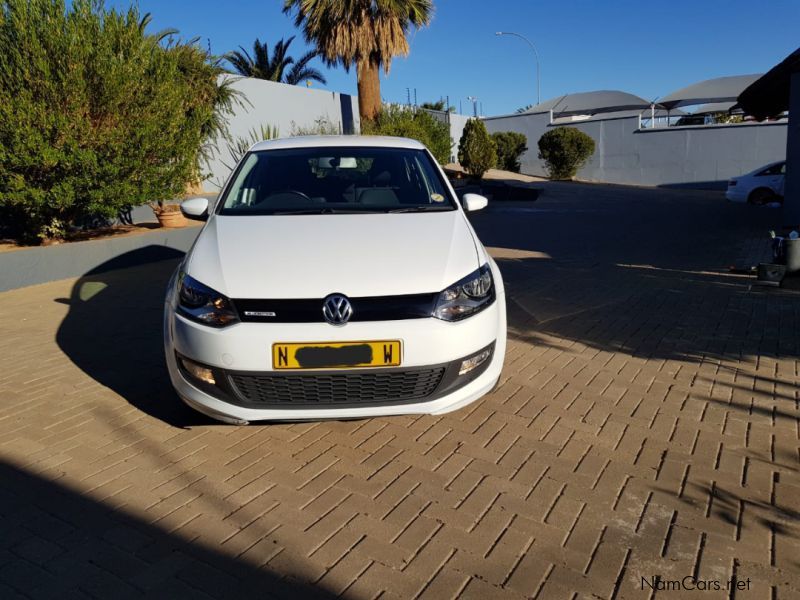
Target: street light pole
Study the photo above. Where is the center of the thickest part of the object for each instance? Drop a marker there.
(474, 101)
(536, 53)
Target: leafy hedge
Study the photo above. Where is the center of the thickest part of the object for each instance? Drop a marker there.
(96, 114)
(415, 124)
(476, 149)
(564, 151)
(510, 147)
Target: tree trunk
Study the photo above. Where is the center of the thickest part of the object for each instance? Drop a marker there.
(369, 90)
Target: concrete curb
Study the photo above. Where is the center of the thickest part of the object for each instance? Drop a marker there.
(42, 264)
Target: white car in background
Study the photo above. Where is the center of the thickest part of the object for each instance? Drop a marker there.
(762, 186)
(335, 277)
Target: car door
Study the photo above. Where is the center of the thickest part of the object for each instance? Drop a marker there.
(779, 187)
(772, 177)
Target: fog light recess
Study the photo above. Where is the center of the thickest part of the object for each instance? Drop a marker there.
(474, 362)
(204, 374)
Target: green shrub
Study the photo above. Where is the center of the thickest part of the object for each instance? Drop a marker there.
(476, 149)
(97, 115)
(415, 124)
(510, 147)
(564, 151)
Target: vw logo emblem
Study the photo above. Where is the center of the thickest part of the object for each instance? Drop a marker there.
(336, 309)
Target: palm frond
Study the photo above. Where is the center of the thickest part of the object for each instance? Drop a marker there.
(241, 61)
(353, 31)
(274, 66)
(302, 72)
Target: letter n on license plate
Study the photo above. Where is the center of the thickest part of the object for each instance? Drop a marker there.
(336, 355)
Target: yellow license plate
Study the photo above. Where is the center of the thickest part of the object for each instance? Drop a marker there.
(336, 355)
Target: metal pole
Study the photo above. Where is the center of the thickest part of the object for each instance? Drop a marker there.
(538, 67)
(474, 101)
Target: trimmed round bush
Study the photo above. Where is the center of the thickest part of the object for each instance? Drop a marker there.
(476, 149)
(510, 147)
(565, 150)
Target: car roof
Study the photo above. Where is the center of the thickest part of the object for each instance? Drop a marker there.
(338, 141)
(768, 166)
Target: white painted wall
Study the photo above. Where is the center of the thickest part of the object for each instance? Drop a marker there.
(698, 156)
(276, 104)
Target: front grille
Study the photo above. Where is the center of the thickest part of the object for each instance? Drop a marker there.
(337, 388)
(309, 310)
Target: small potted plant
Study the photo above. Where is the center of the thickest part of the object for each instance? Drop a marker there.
(169, 215)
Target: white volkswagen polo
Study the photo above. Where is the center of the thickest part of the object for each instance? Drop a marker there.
(335, 277)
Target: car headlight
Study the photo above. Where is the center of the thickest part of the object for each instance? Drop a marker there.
(200, 303)
(466, 297)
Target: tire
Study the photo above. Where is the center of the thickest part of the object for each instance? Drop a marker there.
(761, 196)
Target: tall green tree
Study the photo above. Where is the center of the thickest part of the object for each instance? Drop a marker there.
(277, 66)
(364, 33)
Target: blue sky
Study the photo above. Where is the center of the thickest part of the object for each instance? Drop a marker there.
(647, 48)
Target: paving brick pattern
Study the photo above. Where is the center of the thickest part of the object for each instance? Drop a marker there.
(646, 425)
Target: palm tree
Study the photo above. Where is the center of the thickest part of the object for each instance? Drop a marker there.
(367, 33)
(273, 68)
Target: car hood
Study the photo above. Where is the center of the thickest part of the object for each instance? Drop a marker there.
(311, 256)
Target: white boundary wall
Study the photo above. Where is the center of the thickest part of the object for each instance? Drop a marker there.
(693, 156)
(282, 106)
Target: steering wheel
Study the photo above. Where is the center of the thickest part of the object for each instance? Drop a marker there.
(272, 198)
(297, 193)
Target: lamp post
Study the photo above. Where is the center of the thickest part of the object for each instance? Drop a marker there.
(474, 101)
(536, 53)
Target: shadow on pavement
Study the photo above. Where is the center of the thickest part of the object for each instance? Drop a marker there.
(113, 331)
(57, 543)
(644, 272)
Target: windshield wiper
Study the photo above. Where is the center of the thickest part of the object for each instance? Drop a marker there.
(408, 209)
(315, 211)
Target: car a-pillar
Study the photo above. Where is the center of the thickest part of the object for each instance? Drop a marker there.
(791, 200)
(777, 91)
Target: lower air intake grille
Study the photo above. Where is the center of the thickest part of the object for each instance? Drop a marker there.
(337, 389)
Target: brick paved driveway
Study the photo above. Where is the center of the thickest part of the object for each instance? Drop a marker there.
(647, 424)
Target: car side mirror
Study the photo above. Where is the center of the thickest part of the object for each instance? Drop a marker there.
(195, 208)
(473, 202)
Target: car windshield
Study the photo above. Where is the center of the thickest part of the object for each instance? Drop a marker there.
(336, 180)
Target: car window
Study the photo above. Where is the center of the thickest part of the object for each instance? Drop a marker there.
(778, 169)
(338, 179)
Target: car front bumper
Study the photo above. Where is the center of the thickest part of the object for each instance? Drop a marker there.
(244, 351)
